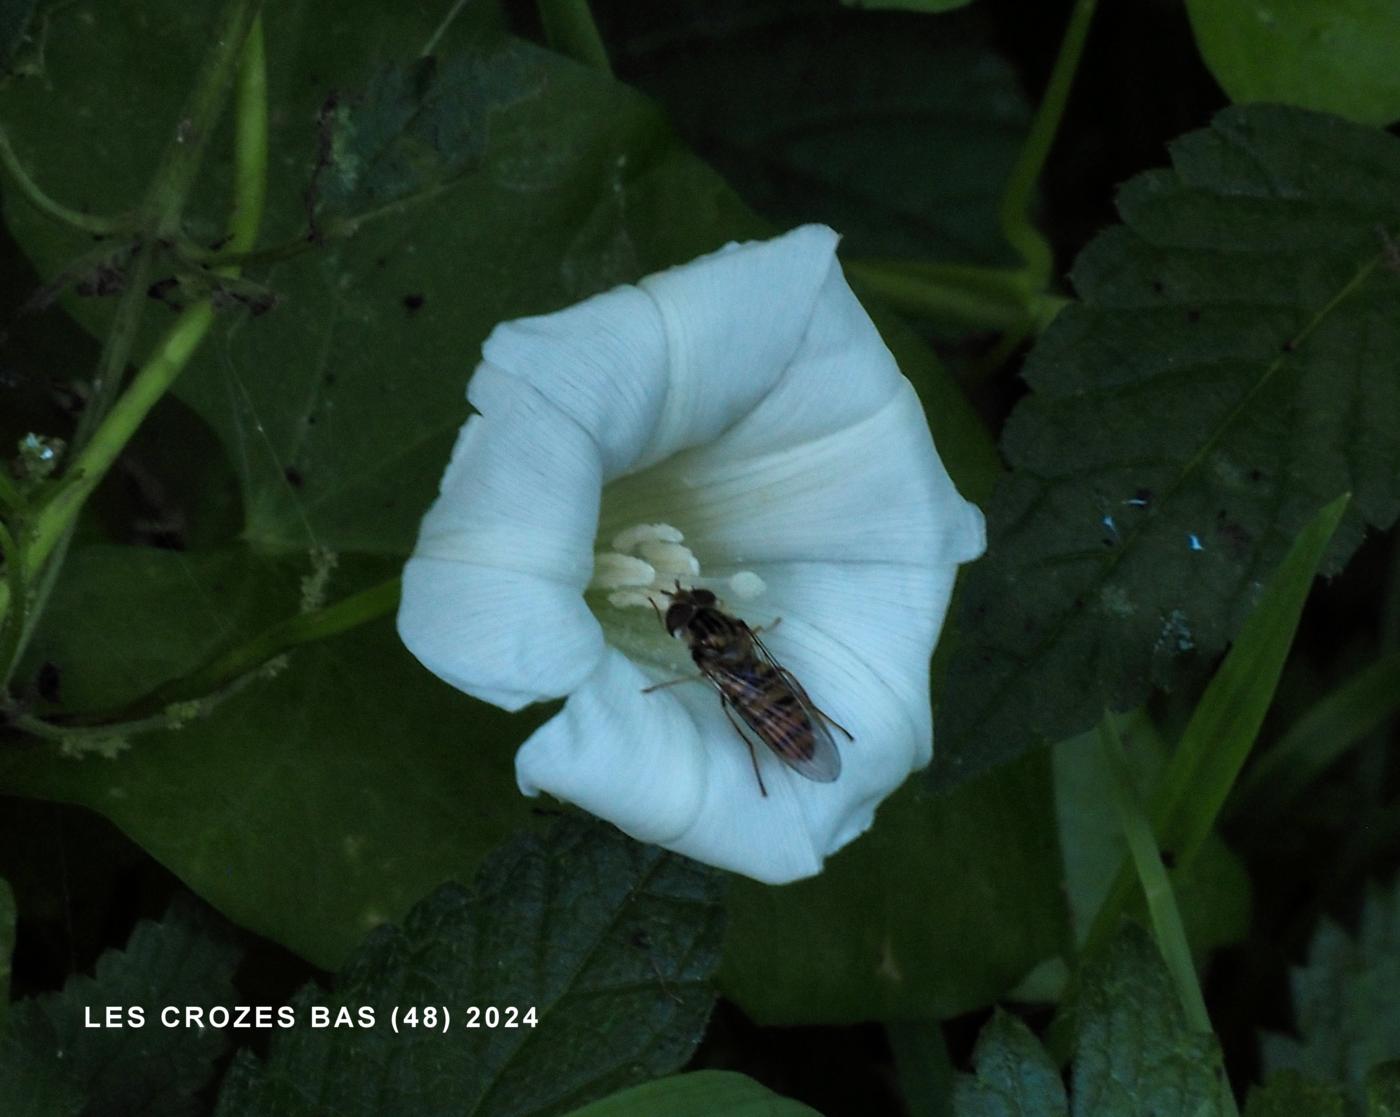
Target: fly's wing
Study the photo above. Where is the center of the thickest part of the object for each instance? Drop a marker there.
(782, 717)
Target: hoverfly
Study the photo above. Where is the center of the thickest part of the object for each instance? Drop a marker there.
(769, 701)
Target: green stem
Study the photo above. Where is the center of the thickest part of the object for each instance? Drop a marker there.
(1162, 908)
(227, 668)
(1016, 224)
(1156, 888)
(174, 177)
(87, 222)
(983, 298)
(109, 426)
(569, 28)
(250, 143)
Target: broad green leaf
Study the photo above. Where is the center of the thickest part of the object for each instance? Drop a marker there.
(704, 1093)
(1015, 1077)
(1287, 1094)
(315, 803)
(1333, 55)
(900, 134)
(922, 1066)
(610, 944)
(1346, 1001)
(1226, 373)
(940, 909)
(1134, 1053)
(53, 1060)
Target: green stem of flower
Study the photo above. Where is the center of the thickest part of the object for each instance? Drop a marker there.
(569, 28)
(1162, 909)
(87, 222)
(1016, 224)
(982, 298)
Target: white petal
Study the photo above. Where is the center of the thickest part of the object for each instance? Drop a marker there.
(493, 595)
(507, 638)
(632, 758)
(872, 492)
(841, 374)
(668, 767)
(734, 321)
(601, 362)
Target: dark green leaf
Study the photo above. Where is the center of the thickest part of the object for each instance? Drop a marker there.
(1346, 1001)
(15, 16)
(897, 132)
(610, 943)
(53, 1062)
(322, 798)
(1135, 1053)
(704, 1093)
(940, 909)
(1226, 374)
(1333, 55)
(1287, 1094)
(1015, 1077)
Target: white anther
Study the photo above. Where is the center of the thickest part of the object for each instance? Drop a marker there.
(669, 558)
(747, 585)
(612, 571)
(628, 539)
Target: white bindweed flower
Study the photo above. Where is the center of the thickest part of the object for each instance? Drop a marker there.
(737, 425)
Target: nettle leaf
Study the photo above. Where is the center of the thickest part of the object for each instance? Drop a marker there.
(703, 1093)
(1346, 1000)
(1334, 55)
(52, 1062)
(1227, 372)
(1134, 1053)
(612, 945)
(1015, 1077)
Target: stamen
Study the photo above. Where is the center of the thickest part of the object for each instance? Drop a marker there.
(747, 585)
(669, 558)
(613, 571)
(628, 539)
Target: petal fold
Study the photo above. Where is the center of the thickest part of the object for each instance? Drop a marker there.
(734, 321)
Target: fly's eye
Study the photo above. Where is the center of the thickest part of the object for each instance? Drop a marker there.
(703, 597)
(677, 617)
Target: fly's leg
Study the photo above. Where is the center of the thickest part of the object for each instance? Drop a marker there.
(753, 756)
(767, 627)
(673, 682)
(832, 721)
